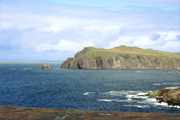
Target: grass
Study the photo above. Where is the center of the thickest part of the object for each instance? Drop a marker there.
(124, 50)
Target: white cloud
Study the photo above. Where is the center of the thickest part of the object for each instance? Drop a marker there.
(169, 35)
(63, 46)
(55, 23)
(58, 23)
(173, 46)
(104, 28)
(165, 41)
(5, 25)
(42, 33)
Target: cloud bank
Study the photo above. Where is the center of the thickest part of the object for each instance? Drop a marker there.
(61, 31)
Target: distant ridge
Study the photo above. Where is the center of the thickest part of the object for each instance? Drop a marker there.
(123, 57)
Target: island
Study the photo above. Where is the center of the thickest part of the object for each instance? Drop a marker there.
(123, 57)
(46, 66)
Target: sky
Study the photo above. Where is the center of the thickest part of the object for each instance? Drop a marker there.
(56, 29)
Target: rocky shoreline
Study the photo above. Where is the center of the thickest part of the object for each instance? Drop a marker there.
(16, 113)
(170, 95)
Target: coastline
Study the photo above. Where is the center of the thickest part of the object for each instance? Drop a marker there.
(25, 113)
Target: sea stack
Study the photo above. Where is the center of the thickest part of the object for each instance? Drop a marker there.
(123, 57)
(46, 66)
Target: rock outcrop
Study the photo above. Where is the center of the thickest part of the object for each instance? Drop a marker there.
(123, 57)
(45, 66)
(167, 95)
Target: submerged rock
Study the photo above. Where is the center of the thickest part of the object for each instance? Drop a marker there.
(123, 57)
(46, 66)
(167, 95)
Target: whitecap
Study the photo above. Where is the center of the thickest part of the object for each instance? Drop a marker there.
(157, 84)
(137, 96)
(163, 104)
(154, 102)
(176, 87)
(121, 93)
(105, 100)
(88, 93)
(129, 96)
(116, 93)
(111, 100)
(138, 106)
(142, 94)
(175, 106)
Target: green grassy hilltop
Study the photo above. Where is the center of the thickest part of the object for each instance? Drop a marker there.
(123, 57)
(101, 52)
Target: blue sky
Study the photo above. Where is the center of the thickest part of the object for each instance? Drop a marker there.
(57, 29)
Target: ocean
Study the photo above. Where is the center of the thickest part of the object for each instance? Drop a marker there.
(26, 85)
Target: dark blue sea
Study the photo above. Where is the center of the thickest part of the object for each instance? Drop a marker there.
(26, 85)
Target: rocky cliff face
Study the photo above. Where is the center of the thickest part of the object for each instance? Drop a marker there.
(123, 58)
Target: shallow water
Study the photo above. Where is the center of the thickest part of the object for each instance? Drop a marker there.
(97, 90)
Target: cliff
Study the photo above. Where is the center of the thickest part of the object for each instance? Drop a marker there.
(123, 57)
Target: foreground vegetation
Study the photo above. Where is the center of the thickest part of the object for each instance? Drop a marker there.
(8, 113)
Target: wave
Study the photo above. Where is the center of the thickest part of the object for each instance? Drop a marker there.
(105, 100)
(138, 71)
(154, 102)
(111, 100)
(137, 106)
(122, 93)
(176, 87)
(88, 93)
(137, 99)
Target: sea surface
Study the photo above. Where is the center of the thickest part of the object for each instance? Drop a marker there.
(26, 85)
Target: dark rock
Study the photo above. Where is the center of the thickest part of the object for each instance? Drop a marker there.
(46, 67)
(168, 95)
